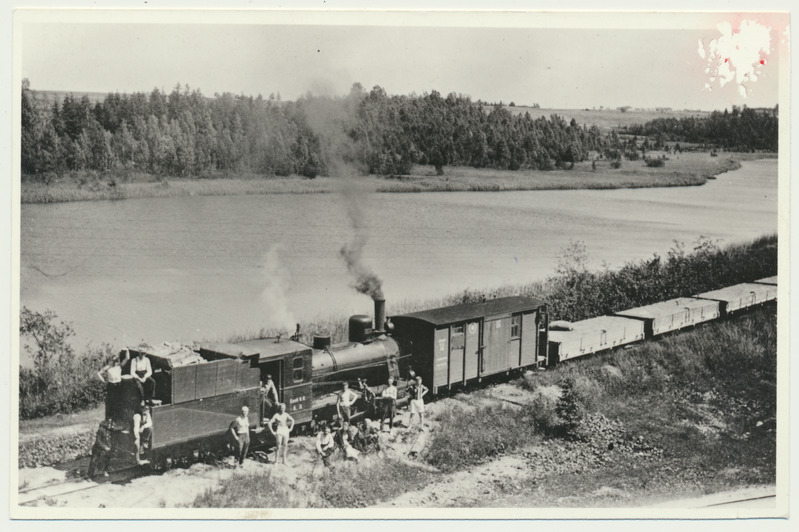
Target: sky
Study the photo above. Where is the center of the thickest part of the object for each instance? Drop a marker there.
(571, 61)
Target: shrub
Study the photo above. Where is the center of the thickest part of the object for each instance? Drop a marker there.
(61, 381)
(615, 164)
(570, 409)
(576, 293)
(52, 450)
(543, 407)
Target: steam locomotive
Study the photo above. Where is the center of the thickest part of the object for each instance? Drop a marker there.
(448, 347)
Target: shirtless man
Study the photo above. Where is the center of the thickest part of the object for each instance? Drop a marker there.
(345, 401)
(285, 424)
(417, 391)
(240, 431)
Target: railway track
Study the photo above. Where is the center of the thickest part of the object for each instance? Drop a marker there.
(30, 495)
(741, 502)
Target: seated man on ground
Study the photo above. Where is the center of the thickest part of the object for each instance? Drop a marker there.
(344, 440)
(325, 444)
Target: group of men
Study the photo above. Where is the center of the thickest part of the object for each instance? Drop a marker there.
(280, 425)
(386, 403)
(141, 371)
(354, 439)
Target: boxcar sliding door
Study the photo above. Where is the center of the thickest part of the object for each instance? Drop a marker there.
(496, 338)
(456, 345)
(471, 350)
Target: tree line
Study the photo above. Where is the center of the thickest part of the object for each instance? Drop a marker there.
(186, 134)
(742, 129)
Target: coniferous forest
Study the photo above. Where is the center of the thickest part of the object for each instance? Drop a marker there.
(186, 134)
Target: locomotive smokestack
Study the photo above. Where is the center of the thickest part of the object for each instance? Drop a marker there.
(380, 314)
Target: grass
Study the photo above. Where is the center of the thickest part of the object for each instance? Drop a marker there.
(89, 418)
(686, 169)
(466, 437)
(253, 490)
(706, 398)
(344, 485)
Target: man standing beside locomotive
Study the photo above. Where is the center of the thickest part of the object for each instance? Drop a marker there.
(101, 451)
(285, 423)
(389, 399)
(345, 401)
(142, 371)
(417, 391)
(240, 430)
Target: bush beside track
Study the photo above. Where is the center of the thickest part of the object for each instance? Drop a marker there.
(51, 450)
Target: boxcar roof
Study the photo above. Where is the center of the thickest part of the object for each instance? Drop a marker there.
(470, 311)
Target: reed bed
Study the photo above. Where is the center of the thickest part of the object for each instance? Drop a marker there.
(687, 169)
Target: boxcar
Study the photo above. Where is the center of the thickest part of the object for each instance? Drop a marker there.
(672, 315)
(592, 336)
(741, 296)
(456, 344)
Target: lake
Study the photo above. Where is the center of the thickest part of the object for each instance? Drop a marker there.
(203, 268)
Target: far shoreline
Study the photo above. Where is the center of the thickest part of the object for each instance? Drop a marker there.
(685, 169)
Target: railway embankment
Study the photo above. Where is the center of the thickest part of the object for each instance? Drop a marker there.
(575, 293)
(685, 169)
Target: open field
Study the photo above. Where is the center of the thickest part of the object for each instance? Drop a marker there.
(604, 119)
(686, 169)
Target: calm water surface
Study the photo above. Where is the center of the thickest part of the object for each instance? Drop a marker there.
(194, 268)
